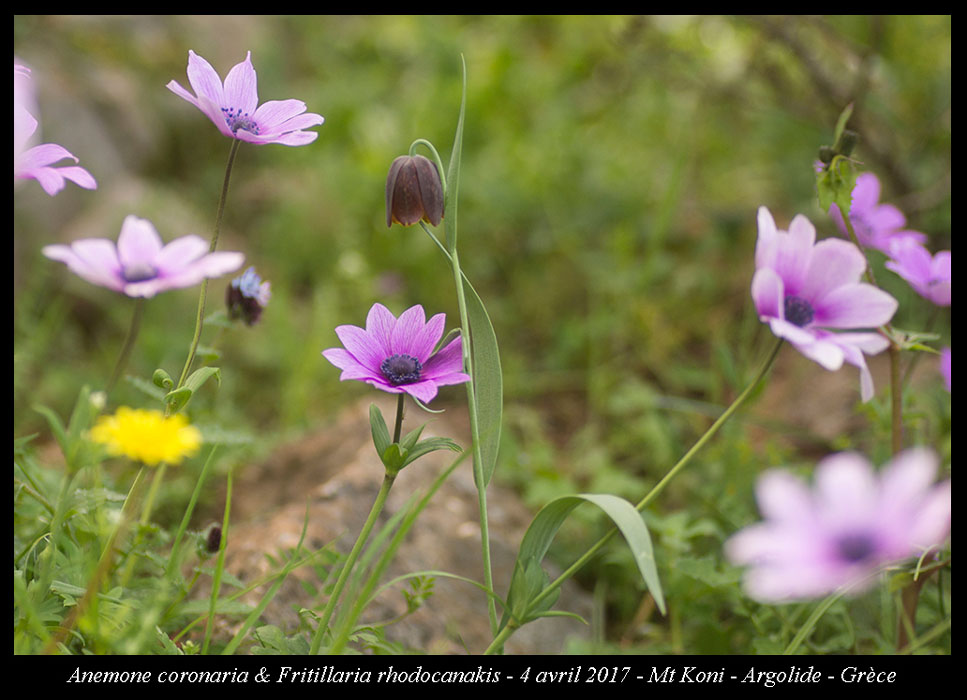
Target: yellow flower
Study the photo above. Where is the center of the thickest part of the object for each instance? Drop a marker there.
(147, 436)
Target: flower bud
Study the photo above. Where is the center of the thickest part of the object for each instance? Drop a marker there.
(414, 191)
(246, 296)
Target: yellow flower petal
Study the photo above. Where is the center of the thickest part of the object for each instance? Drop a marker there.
(147, 436)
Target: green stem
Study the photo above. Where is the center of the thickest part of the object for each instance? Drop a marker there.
(896, 399)
(374, 512)
(398, 428)
(103, 565)
(176, 546)
(474, 424)
(658, 488)
(896, 386)
(219, 567)
(199, 318)
(133, 330)
(436, 157)
(347, 568)
(145, 517)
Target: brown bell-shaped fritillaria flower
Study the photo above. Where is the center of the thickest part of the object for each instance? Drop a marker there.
(414, 191)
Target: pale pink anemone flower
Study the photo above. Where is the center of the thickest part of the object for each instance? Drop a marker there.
(875, 225)
(234, 107)
(928, 275)
(37, 162)
(846, 530)
(140, 265)
(396, 355)
(802, 289)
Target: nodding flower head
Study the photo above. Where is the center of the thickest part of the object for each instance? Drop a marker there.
(414, 191)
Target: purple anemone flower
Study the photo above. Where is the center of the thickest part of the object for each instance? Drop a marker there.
(844, 531)
(140, 265)
(876, 225)
(802, 288)
(928, 275)
(234, 107)
(36, 162)
(396, 355)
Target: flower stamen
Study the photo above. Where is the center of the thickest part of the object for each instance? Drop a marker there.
(401, 369)
(798, 311)
(855, 548)
(138, 272)
(236, 119)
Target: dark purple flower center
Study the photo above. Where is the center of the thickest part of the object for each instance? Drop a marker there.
(401, 369)
(798, 311)
(138, 272)
(237, 119)
(855, 548)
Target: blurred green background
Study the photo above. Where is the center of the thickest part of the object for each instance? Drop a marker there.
(612, 168)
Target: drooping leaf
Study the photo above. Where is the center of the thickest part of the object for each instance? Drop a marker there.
(548, 521)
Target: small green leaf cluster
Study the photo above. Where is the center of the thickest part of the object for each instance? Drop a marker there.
(396, 455)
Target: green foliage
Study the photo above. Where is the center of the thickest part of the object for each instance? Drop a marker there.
(610, 167)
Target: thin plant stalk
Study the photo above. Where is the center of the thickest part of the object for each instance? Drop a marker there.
(912, 593)
(512, 625)
(133, 330)
(366, 595)
(176, 546)
(350, 562)
(374, 512)
(896, 385)
(459, 278)
(200, 317)
(159, 476)
(103, 565)
(219, 567)
(474, 426)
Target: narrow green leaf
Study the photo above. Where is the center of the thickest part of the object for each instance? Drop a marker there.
(487, 380)
(453, 172)
(841, 122)
(431, 445)
(202, 375)
(380, 432)
(411, 438)
(549, 519)
(56, 427)
(146, 387)
(80, 419)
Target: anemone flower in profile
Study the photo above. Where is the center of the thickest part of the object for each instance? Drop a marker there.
(875, 225)
(928, 275)
(37, 162)
(140, 265)
(843, 532)
(802, 289)
(396, 355)
(234, 106)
